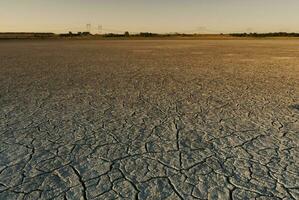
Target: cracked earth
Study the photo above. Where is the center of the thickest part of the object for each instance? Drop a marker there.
(149, 120)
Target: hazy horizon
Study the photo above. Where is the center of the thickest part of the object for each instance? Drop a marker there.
(154, 16)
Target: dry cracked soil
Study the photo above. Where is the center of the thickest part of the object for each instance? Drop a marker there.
(149, 119)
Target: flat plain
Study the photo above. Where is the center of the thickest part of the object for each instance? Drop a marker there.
(149, 119)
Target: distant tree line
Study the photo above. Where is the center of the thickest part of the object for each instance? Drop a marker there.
(71, 34)
(127, 34)
(149, 34)
(275, 34)
(24, 35)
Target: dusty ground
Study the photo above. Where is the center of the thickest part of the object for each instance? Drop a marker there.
(149, 120)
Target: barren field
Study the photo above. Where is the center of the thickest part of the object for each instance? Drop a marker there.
(149, 119)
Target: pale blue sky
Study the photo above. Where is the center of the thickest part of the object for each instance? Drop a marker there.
(150, 15)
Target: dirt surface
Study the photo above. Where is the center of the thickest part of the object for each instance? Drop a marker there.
(149, 119)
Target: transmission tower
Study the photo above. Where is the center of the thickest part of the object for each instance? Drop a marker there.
(100, 28)
(88, 28)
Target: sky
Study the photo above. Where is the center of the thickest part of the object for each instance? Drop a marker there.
(161, 16)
